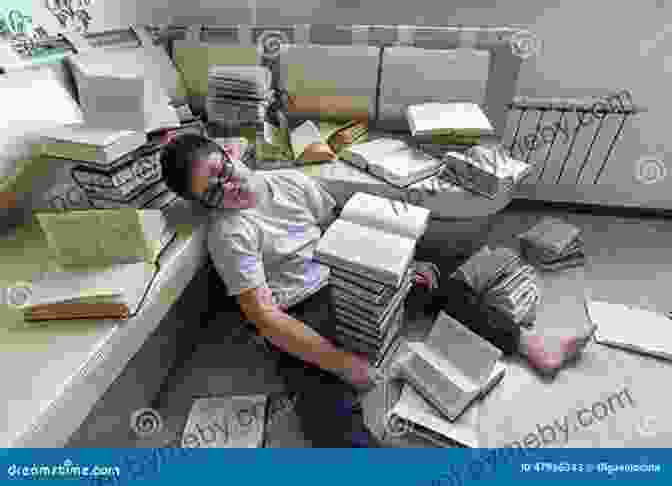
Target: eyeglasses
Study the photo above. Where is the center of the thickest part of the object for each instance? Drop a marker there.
(214, 194)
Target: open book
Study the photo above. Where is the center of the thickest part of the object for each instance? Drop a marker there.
(311, 142)
(392, 160)
(85, 143)
(237, 421)
(427, 423)
(114, 292)
(451, 368)
(373, 239)
(106, 236)
(631, 328)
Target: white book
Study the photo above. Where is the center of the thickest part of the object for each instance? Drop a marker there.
(451, 368)
(447, 119)
(237, 422)
(64, 290)
(392, 160)
(428, 423)
(105, 236)
(91, 144)
(632, 328)
(120, 96)
(372, 240)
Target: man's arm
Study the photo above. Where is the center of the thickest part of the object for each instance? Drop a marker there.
(298, 339)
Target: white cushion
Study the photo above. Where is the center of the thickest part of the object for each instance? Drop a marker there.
(413, 75)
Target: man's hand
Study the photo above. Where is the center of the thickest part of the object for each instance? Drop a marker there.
(426, 275)
(300, 340)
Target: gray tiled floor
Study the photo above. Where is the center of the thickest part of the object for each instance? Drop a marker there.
(226, 362)
(630, 263)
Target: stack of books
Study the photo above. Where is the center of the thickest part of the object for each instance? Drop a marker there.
(443, 378)
(238, 95)
(487, 171)
(553, 244)
(369, 251)
(504, 284)
(438, 128)
(115, 168)
(107, 259)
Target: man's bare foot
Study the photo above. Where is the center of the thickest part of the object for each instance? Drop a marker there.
(548, 356)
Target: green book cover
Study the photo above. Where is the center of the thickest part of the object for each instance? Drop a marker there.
(100, 237)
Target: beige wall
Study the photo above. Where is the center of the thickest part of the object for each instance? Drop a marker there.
(589, 47)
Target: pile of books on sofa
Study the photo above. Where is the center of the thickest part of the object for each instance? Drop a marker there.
(438, 128)
(370, 251)
(115, 168)
(238, 95)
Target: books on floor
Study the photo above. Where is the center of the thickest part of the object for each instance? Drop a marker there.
(393, 160)
(553, 244)
(101, 237)
(373, 239)
(237, 421)
(632, 328)
(109, 292)
(448, 119)
(92, 144)
(444, 377)
(238, 95)
(487, 171)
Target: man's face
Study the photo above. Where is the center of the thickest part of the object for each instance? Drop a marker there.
(236, 190)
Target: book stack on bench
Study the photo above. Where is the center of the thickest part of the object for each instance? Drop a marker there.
(116, 168)
(438, 128)
(370, 251)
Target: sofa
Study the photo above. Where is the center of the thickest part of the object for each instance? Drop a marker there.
(371, 67)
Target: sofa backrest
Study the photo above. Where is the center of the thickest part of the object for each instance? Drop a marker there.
(412, 63)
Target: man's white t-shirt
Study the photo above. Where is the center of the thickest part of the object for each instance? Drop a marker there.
(272, 244)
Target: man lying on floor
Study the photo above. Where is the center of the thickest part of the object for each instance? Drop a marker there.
(259, 254)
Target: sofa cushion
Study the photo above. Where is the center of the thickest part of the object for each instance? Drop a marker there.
(32, 100)
(411, 75)
(193, 59)
(330, 81)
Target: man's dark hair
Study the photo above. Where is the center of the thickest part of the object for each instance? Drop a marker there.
(178, 158)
